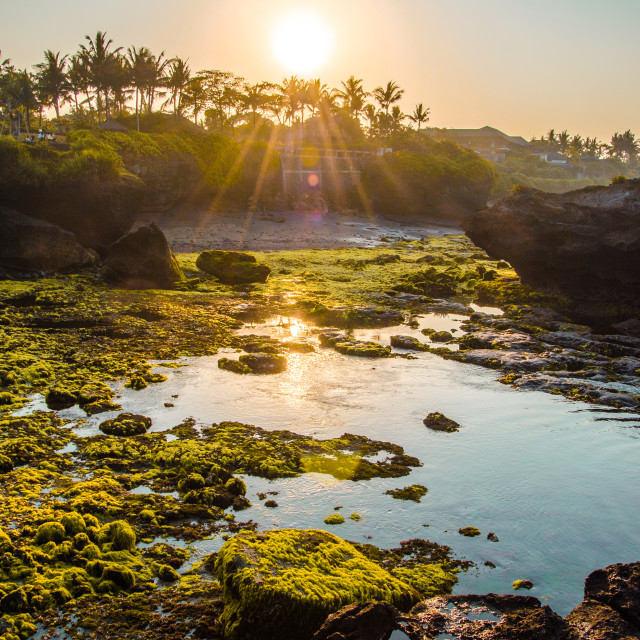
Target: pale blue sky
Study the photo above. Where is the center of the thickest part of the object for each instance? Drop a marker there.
(523, 66)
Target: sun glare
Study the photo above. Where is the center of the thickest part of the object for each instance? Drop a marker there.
(302, 43)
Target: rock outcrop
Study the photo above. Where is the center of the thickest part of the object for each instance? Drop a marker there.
(31, 245)
(610, 611)
(142, 260)
(584, 243)
(232, 267)
(282, 584)
(98, 213)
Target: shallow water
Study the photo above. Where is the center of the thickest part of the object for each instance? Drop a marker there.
(560, 488)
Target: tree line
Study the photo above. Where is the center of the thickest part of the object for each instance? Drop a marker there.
(101, 80)
(623, 145)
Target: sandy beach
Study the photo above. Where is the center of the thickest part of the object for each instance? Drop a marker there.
(201, 230)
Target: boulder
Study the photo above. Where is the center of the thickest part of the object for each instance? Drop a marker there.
(232, 267)
(617, 586)
(126, 424)
(282, 584)
(439, 422)
(142, 260)
(361, 621)
(594, 621)
(584, 243)
(489, 617)
(31, 245)
(97, 212)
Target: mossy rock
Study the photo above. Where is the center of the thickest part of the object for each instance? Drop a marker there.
(522, 584)
(232, 267)
(413, 492)
(438, 336)
(117, 536)
(168, 574)
(233, 365)
(264, 362)
(50, 532)
(60, 397)
(282, 584)
(469, 532)
(126, 424)
(349, 346)
(334, 518)
(439, 422)
(430, 580)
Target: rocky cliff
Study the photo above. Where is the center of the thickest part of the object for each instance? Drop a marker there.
(583, 243)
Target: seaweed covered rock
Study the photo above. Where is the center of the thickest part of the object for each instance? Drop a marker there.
(97, 397)
(31, 245)
(126, 424)
(282, 584)
(439, 422)
(412, 492)
(408, 342)
(142, 260)
(345, 344)
(233, 267)
(264, 362)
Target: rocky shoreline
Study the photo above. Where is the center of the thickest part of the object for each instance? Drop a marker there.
(87, 520)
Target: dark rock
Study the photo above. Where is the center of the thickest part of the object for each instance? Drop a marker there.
(233, 267)
(617, 586)
(361, 621)
(126, 424)
(595, 621)
(264, 362)
(408, 342)
(439, 422)
(490, 617)
(31, 245)
(492, 537)
(345, 344)
(97, 212)
(142, 260)
(585, 243)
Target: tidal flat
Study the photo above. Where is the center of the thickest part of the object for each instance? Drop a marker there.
(545, 457)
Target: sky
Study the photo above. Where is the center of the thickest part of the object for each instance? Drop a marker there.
(522, 66)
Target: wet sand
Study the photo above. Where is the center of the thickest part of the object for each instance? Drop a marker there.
(201, 230)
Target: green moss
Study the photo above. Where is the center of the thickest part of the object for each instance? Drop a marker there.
(356, 517)
(334, 518)
(126, 424)
(50, 532)
(469, 532)
(117, 536)
(412, 492)
(233, 365)
(73, 523)
(284, 583)
(232, 267)
(430, 580)
(522, 584)
(167, 573)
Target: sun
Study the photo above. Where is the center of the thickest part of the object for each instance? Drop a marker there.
(302, 43)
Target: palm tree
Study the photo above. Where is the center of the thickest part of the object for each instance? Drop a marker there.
(564, 140)
(420, 115)
(20, 92)
(101, 65)
(255, 98)
(353, 95)
(156, 78)
(316, 94)
(388, 95)
(624, 146)
(139, 63)
(195, 96)
(52, 79)
(177, 81)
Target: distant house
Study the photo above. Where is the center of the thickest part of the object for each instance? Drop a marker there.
(487, 142)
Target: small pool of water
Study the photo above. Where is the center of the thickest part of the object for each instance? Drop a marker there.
(559, 487)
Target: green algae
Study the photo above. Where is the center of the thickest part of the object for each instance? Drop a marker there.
(334, 518)
(469, 532)
(522, 584)
(283, 583)
(412, 492)
(126, 424)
